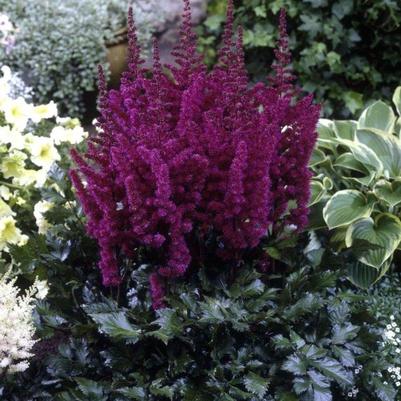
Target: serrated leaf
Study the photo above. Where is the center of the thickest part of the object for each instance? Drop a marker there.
(133, 393)
(169, 323)
(295, 365)
(256, 384)
(90, 388)
(117, 326)
(333, 369)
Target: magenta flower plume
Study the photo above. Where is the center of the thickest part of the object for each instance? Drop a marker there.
(181, 153)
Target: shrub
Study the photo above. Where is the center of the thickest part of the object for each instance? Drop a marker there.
(357, 186)
(186, 158)
(32, 140)
(58, 44)
(333, 42)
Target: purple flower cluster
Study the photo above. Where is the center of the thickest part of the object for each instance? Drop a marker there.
(182, 153)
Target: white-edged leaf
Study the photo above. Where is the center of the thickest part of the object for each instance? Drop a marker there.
(383, 233)
(317, 192)
(345, 207)
(378, 115)
(389, 192)
(386, 146)
(345, 129)
(397, 99)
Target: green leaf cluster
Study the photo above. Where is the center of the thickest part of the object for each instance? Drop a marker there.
(356, 191)
(332, 42)
(300, 334)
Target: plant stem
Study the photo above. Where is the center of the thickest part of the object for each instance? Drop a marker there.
(8, 184)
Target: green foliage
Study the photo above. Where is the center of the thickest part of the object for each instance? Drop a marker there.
(297, 334)
(356, 189)
(333, 43)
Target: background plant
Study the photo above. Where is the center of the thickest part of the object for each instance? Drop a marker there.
(356, 190)
(333, 43)
(58, 44)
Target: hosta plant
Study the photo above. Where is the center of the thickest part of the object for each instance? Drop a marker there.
(357, 186)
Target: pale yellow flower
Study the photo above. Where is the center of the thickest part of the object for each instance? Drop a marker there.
(17, 112)
(27, 177)
(5, 210)
(68, 122)
(20, 201)
(13, 164)
(43, 152)
(44, 111)
(9, 233)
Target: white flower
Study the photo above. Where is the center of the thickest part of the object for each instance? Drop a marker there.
(12, 137)
(43, 111)
(5, 192)
(17, 112)
(16, 326)
(43, 152)
(73, 135)
(39, 210)
(42, 289)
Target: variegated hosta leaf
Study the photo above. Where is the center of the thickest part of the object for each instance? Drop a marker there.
(345, 129)
(379, 238)
(325, 128)
(362, 153)
(348, 161)
(387, 148)
(364, 276)
(397, 99)
(317, 192)
(345, 207)
(389, 192)
(317, 158)
(378, 115)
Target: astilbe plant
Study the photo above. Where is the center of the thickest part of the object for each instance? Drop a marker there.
(182, 153)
